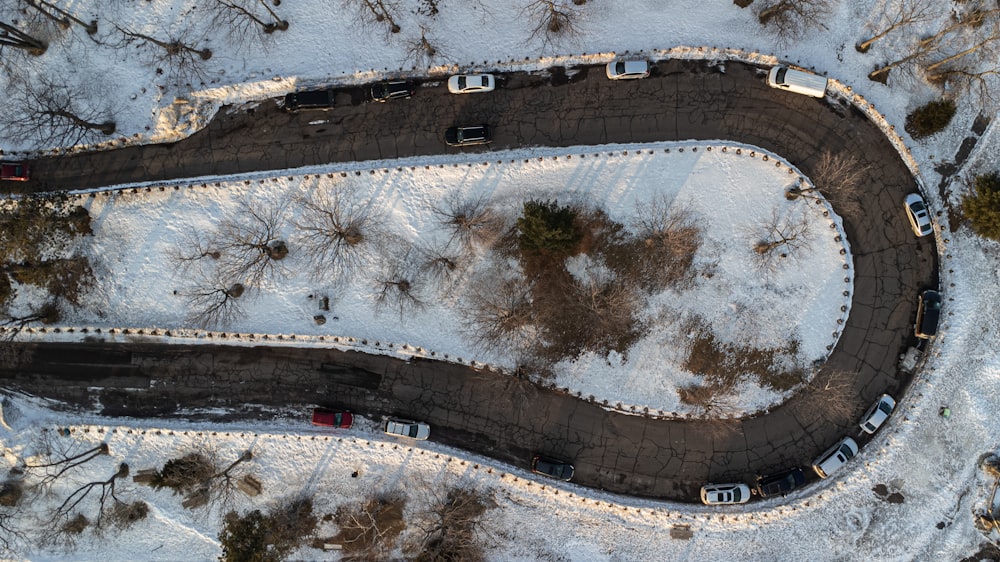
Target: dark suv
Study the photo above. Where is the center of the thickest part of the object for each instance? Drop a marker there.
(385, 91)
(467, 136)
(928, 313)
(552, 468)
(780, 483)
(310, 99)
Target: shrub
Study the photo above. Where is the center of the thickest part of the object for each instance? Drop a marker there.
(982, 207)
(546, 227)
(259, 537)
(184, 474)
(929, 119)
(245, 538)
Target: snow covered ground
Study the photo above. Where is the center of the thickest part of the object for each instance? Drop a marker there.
(931, 462)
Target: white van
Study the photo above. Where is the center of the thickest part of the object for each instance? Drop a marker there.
(835, 457)
(797, 81)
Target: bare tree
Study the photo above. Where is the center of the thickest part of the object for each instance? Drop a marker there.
(107, 492)
(788, 18)
(52, 114)
(214, 304)
(198, 476)
(840, 178)
(48, 313)
(399, 285)
(60, 16)
(498, 311)
(969, 36)
(250, 244)
(340, 233)
(667, 239)
(192, 247)
(896, 16)
(452, 527)
(552, 18)
(835, 391)
(243, 22)
(439, 263)
(368, 531)
(377, 12)
(472, 221)
(176, 52)
(11, 36)
(421, 50)
(62, 458)
(783, 237)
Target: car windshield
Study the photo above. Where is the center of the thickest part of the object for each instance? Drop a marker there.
(779, 77)
(413, 430)
(918, 207)
(461, 82)
(736, 495)
(620, 68)
(486, 81)
(884, 406)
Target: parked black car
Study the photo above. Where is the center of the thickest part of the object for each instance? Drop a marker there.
(385, 91)
(552, 468)
(466, 136)
(780, 483)
(310, 99)
(928, 313)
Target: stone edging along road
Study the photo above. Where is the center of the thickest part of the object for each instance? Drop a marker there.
(503, 417)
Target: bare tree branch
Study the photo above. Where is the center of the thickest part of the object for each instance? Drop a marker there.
(903, 14)
(63, 18)
(399, 285)
(250, 244)
(783, 237)
(472, 221)
(553, 18)
(52, 114)
(789, 18)
(340, 233)
(11, 36)
(243, 23)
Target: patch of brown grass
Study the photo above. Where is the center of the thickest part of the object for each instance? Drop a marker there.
(722, 362)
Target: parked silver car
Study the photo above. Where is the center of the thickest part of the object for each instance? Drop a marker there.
(835, 457)
(407, 428)
(877, 414)
(723, 494)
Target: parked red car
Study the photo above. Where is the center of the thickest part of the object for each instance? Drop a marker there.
(15, 171)
(332, 418)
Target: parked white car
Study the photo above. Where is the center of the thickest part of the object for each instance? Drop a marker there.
(407, 428)
(916, 211)
(627, 69)
(877, 414)
(723, 494)
(471, 83)
(835, 457)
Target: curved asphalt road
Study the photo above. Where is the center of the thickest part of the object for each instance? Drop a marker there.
(499, 416)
